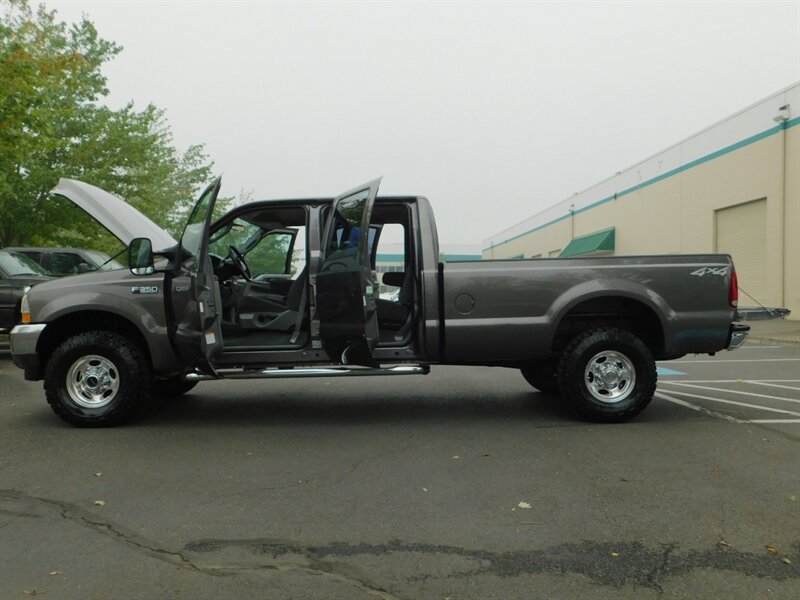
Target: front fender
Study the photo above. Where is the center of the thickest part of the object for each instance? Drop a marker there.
(138, 300)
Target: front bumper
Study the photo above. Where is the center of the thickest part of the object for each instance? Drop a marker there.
(24, 339)
(738, 334)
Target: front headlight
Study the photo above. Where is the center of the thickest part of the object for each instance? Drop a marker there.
(24, 307)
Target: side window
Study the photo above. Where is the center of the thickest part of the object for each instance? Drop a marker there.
(347, 233)
(271, 255)
(192, 239)
(298, 260)
(391, 258)
(65, 263)
(271, 241)
(35, 256)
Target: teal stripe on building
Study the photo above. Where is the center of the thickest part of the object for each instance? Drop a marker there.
(690, 165)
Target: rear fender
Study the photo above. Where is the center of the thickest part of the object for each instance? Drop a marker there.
(612, 288)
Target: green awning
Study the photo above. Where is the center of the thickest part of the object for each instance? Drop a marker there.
(600, 241)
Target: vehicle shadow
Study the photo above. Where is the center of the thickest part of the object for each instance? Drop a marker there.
(202, 411)
(532, 407)
(468, 397)
(307, 409)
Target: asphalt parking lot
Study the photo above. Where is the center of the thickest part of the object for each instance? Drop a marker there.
(462, 484)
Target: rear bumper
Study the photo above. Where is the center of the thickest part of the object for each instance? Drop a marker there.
(737, 335)
(23, 340)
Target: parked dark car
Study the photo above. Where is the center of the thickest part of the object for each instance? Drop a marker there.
(69, 261)
(17, 275)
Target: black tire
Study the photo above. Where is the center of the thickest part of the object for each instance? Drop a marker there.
(542, 376)
(97, 379)
(17, 316)
(607, 375)
(170, 388)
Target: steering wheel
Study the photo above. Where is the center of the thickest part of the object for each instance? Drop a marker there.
(238, 261)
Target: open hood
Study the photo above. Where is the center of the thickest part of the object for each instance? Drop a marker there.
(113, 213)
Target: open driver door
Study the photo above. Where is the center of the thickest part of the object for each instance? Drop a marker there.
(194, 293)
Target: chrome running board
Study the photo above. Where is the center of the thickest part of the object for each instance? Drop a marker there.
(277, 373)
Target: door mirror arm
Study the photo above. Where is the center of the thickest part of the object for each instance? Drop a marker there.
(174, 257)
(163, 261)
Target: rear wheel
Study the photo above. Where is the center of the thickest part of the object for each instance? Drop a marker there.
(97, 379)
(607, 375)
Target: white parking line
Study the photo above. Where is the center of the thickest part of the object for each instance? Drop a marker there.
(785, 387)
(724, 360)
(775, 421)
(761, 381)
(716, 389)
(701, 409)
(734, 403)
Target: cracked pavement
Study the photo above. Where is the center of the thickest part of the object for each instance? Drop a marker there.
(396, 488)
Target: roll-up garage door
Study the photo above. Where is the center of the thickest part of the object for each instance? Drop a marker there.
(741, 231)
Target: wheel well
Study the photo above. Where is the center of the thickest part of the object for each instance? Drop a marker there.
(94, 320)
(611, 311)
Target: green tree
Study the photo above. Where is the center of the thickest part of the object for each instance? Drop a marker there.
(52, 124)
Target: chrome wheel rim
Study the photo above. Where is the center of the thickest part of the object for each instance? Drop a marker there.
(92, 381)
(610, 377)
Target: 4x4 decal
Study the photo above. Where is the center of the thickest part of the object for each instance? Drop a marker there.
(701, 272)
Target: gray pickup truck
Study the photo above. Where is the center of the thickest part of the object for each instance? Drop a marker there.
(288, 288)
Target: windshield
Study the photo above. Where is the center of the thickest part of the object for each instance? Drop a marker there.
(240, 234)
(18, 265)
(266, 252)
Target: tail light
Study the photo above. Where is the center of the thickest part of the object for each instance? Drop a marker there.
(733, 293)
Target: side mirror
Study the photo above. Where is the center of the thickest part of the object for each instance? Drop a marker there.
(140, 257)
(83, 267)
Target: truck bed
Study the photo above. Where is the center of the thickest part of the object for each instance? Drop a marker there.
(503, 311)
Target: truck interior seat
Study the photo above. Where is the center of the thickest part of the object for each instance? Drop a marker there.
(269, 312)
(397, 315)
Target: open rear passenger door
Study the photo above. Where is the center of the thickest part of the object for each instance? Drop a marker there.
(194, 294)
(345, 289)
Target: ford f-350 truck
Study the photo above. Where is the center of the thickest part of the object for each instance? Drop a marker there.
(288, 288)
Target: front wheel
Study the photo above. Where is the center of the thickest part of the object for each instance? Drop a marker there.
(607, 375)
(97, 379)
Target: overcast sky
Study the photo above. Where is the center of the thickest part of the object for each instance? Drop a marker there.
(493, 111)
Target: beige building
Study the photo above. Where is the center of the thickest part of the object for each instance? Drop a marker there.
(733, 187)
